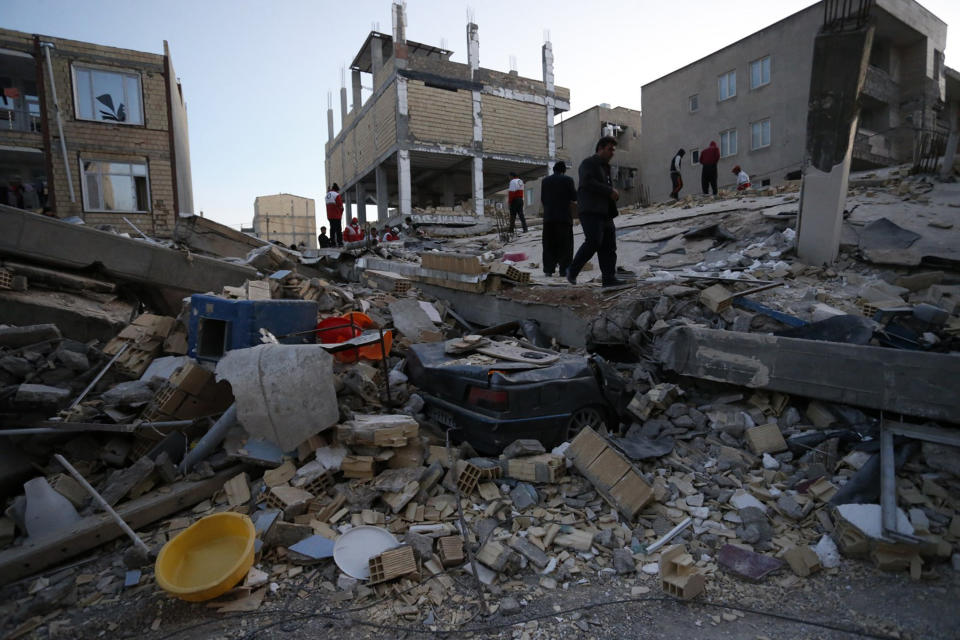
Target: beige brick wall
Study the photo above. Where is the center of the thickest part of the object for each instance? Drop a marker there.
(148, 143)
(286, 218)
(333, 166)
(386, 115)
(510, 126)
(364, 136)
(438, 115)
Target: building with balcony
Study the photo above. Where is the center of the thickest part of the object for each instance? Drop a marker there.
(751, 98)
(577, 137)
(93, 131)
(438, 132)
(286, 218)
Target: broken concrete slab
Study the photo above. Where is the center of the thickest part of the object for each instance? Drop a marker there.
(413, 322)
(267, 377)
(909, 382)
(41, 394)
(15, 337)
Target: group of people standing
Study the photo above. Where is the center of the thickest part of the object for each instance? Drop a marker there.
(354, 232)
(708, 160)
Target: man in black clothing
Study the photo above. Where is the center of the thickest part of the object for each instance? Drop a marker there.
(557, 193)
(323, 241)
(597, 203)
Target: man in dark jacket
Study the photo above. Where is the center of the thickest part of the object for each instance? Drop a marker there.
(709, 158)
(557, 193)
(597, 203)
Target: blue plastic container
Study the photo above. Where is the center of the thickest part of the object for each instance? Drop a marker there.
(218, 325)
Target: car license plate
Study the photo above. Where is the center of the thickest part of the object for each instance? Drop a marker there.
(442, 417)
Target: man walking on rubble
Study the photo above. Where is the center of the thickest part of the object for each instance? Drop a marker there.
(597, 203)
(335, 215)
(676, 179)
(709, 158)
(515, 199)
(558, 194)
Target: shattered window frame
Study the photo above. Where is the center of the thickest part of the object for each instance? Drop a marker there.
(765, 130)
(725, 138)
(727, 85)
(85, 102)
(93, 168)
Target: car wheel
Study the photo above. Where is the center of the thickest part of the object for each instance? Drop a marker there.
(592, 417)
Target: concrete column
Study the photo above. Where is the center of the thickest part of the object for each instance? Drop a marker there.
(473, 47)
(383, 195)
(343, 107)
(839, 67)
(478, 185)
(448, 195)
(357, 95)
(399, 24)
(361, 202)
(547, 52)
(950, 153)
(330, 124)
(403, 181)
(473, 60)
(376, 57)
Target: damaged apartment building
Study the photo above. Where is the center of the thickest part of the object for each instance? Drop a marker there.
(577, 139)
(751, 97)
(94, 132)
(436, 132)
(286, 218)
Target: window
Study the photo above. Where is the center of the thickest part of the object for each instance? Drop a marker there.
(694, 102)
(727, 86)
(760, 72)
(115, 186)
(760, 134)
(108, 96)
(695, 156)
(728, 143)
(529, 194)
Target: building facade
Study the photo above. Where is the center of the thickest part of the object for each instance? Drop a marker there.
(286, 218)
(577, 139)
(93, 131)
(751, 98)
(437, 132)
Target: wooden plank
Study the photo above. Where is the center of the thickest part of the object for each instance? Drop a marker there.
(99, 528)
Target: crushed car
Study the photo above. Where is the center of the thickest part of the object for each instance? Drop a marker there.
(490, 402)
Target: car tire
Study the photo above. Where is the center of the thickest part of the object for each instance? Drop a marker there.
(589, 416)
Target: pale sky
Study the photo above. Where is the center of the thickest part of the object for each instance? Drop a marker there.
(256, 74)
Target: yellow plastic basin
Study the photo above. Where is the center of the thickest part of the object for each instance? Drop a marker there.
(208, 558)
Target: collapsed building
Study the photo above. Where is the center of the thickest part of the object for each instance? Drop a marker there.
(436, 132)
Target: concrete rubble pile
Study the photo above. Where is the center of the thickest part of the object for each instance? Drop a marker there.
(723, 463)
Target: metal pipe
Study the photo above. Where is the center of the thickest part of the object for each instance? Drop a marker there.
(93, 382)
(56, 104)
(103, 503)
(211, 440)
(106, 428)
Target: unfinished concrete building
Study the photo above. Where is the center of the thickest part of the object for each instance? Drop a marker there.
(751, 98)
(436, 132)
(577, 138)
(93, 131)
(286, 218)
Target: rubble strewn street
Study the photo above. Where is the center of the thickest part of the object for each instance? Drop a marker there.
(421, 446)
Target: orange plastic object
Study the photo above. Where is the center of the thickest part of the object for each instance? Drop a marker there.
(360, 321)
(208, 558)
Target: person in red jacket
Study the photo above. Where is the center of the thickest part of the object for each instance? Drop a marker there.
(515, 199)
(709, 158)
(353, 232)
(335, 215)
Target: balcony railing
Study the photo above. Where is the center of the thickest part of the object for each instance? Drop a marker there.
(19, 119)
